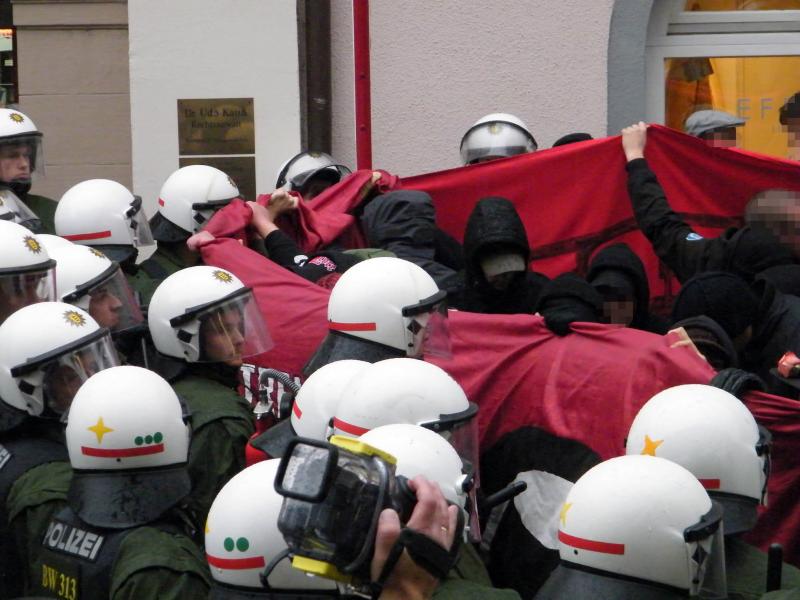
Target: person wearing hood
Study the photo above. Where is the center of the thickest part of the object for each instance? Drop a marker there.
(404, 223)
(497, 254)
(618, 274)
(711, 340)
(745, 251)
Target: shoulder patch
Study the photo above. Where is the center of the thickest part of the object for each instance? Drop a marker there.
(693, 237)
(5, 456)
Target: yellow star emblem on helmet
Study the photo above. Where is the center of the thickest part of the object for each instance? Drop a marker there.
(16, 117)
(651, 445)
(222, 276)
(100, 429)
(562, 516)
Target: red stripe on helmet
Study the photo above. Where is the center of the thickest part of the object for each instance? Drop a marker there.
(253, 562)
(97, 235)
(122, 452)
(160, 202)
(584, 544)
(296, 410)
(352, 326)
(349, 427)
(710, 484)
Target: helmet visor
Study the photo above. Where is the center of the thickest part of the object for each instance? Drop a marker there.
(21, 289)
(15, 210)
(705, 546)
(65, 373)
(112, 304)
(233, 330)
(137, 221)
(332, 173)
(429, 327)
(23, 157)
(496, 139)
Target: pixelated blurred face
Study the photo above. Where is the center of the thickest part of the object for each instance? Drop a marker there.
(222, 337)
(318, 184)
(792, 129)
(15, 162)
(721, 138)
(105, 307)
(502, 281)
(779, 212)
(619, 312)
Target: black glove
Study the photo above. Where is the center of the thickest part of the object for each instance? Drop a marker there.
(566, 299)
(738, 382)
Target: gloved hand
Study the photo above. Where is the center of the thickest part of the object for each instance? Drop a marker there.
(738, 382)
(566, 299)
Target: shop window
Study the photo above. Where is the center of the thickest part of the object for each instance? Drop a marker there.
(741, 57)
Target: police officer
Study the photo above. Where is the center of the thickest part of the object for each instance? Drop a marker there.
(383, 308)
(39, 375)
(27, 273)
(123, 532)
(496, 135)
(310, 174)
(187, 201)
(21, 157)
(712, 434)
(638, 528)
(104, 214)
(203, 322)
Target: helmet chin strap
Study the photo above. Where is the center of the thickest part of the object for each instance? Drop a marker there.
(20, 187)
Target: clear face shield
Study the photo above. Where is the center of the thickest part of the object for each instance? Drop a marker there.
(428, 328)
(705, 548)
(19, 289)
(137, 221)
(110, 301)
(21, 159)
(461, 430)
(764, 450)
(61, 372)
(15, 210)
(495, 140)
(227, 331)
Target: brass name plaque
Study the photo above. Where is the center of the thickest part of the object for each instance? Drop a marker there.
(216, 126)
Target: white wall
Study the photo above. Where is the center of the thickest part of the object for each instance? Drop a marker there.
(211, 49)
(439, 66)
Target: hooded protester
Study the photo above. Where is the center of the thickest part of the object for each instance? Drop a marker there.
(786, 278)
(566, 299)
(711, 340)
(497, 253)
(404, 222)
(619, 276)
(745, 251)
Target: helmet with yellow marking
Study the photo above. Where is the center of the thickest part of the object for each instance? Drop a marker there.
(206, 314)
(128, 446)
(47, 350)
(712, 434)
(27, 273)
(238, 552)
(638, 527)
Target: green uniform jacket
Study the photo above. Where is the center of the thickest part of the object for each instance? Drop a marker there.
(45, 209)
(222, 422)
(469, 579)
(746, 571)
(150, 562)
(153, 271)
(782, 595)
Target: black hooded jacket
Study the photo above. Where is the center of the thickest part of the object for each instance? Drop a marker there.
(494, 226)
(618, 267)
(404, 222)
(744, 251)
(776, 330)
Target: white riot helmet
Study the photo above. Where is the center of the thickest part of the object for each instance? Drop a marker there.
(188, 199)
(47, 350)
(128, 446)
(313, 408)
(392, 302)
(103, 213)
(634, 521)
(497, 135)
(20, 143)
(712, 434)
(419, 451)
(27, 273)
(298, 172)
(48, 240)
(86, 278)
(206, 314)
(242, 538)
